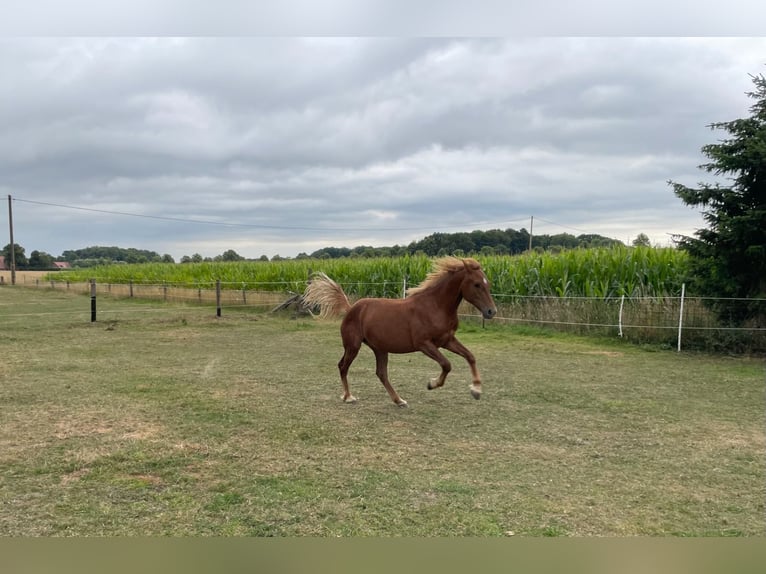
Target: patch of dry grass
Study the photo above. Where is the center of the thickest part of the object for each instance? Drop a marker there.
(163, 420)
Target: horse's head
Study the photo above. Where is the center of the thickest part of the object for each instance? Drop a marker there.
(475, 289)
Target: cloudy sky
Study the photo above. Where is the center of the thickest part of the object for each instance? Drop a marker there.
(282, 145)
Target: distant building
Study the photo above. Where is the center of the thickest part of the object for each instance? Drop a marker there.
(62, 264)
(2, 262)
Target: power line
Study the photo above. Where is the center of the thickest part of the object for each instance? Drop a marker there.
(258, 225)
(560, 225)
(159, 217)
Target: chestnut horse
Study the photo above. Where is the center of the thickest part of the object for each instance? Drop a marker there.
(425, 321)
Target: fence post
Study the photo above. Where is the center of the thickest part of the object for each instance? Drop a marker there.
(619, 321)
(130, 286)
(244, 293)
(404, 287)
(681, 315)
(217, 297)
(92, 300)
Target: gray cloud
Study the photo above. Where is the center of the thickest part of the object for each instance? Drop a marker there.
(300, 143)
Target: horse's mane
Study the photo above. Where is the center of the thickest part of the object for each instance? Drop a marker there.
(442, 268)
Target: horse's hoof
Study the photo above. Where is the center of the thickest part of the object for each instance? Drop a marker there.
(432, 384)
(402, 404)
(475, 393)
(351, 399)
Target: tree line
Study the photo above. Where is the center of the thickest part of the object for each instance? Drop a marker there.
(87, 257)
(492, 242)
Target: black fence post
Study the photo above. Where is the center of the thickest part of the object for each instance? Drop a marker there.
(92, 300)
(218, 298)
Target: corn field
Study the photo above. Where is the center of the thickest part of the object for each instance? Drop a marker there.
(603, 273)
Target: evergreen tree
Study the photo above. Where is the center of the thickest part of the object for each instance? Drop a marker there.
(729, 256)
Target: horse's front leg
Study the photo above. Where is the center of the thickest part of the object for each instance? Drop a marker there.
(459, 349)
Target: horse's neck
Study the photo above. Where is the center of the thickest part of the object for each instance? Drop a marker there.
(447, 293)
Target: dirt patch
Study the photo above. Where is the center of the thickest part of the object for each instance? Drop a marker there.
(75, 475)
(96, 424)
(145, 479)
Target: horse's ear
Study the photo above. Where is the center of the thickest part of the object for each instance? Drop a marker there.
(470, 264)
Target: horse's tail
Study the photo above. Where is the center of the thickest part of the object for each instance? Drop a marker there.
(326, 294)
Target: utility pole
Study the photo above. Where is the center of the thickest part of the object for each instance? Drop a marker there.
(13, 247)
(531, 223)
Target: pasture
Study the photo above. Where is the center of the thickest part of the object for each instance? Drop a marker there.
(161, 419)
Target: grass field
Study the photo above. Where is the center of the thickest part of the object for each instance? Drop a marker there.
(163, 420)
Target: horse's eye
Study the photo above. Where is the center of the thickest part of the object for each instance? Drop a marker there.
(477, 285)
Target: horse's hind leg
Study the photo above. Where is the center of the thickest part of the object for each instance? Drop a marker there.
(352, 342)
(349, 355)
(381, 369)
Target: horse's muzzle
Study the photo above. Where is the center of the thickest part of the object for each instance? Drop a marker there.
(489, 313)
